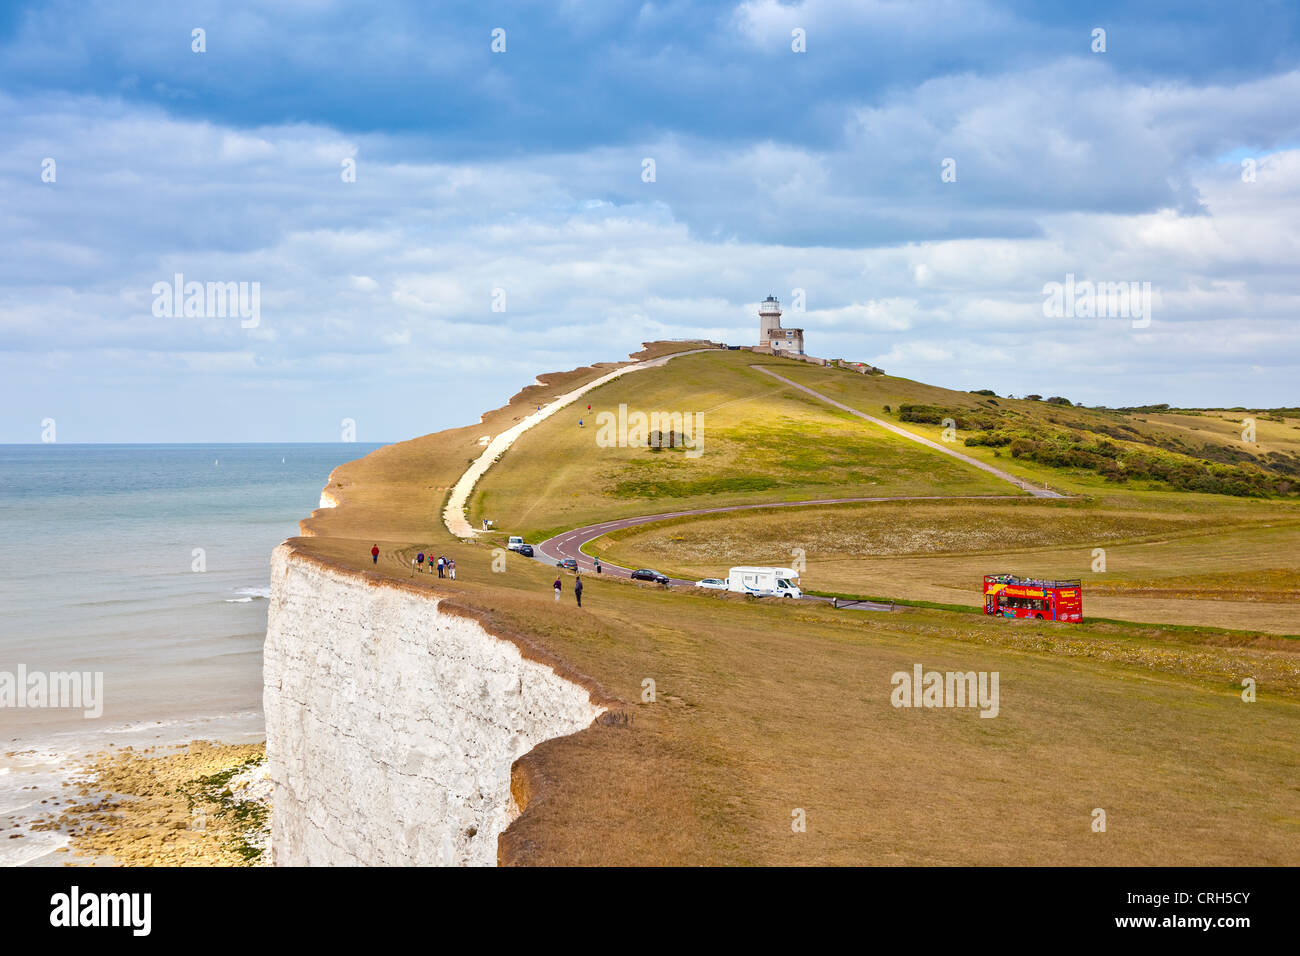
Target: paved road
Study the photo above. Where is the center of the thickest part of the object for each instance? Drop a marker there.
(570, 543)
(1020, 483)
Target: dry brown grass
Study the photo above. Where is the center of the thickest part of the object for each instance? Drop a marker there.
(889, 528)
(763, 708)
(1229, 568)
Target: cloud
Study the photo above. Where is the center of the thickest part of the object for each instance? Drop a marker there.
(378, 293)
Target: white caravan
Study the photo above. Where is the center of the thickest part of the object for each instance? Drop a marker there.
(764, 582)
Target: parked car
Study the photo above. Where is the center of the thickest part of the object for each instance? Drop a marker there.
(526, 550)
(645, 574)
(717, 584)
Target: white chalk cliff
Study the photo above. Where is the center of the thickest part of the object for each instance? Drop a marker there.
(392, 724)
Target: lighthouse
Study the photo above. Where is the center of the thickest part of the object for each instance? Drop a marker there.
(770, 334)
(769, 317)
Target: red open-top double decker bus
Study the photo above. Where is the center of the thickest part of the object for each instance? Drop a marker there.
(1006, 595)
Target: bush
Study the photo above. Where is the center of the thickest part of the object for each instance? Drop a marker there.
(963, 418)
(1121, 463)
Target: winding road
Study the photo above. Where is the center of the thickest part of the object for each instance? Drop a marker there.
(569, 544)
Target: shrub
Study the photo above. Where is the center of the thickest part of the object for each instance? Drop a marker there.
(963, 418)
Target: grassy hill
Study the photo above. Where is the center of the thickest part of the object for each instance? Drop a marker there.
(760, 443)
(764, 708)
(1172, 555)
(1087, 448)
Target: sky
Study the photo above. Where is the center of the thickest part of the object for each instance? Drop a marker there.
(434, 203)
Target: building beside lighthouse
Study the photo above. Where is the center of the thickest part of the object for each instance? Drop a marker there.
(771, 337)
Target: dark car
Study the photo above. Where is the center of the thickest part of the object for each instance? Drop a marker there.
(525, 549)
(569, 564)
(645, 574)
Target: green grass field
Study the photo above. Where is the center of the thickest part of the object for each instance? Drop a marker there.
(759, 444)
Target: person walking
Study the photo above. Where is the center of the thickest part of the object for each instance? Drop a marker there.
(419, 560)
(557, 585)
(374, 554)
(577, 590)
(451, 563)
(442, 563)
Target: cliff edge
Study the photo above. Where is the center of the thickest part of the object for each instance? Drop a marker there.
(392, 724)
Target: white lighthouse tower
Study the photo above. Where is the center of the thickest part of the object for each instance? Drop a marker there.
(769, 317)
(771, 337)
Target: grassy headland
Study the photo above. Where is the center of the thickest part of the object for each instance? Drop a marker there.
(762, 709)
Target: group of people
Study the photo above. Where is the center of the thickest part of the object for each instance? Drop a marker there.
(577, 587)
(446, 567)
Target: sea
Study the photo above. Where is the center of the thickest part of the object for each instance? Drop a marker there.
(145, 569)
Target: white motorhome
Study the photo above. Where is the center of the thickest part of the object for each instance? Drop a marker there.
(762, 582)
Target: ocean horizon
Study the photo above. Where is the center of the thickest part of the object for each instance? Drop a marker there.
(145, 566)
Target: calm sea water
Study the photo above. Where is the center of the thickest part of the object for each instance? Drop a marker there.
(148, 564)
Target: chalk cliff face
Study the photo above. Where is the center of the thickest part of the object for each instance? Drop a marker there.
(391, 725)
